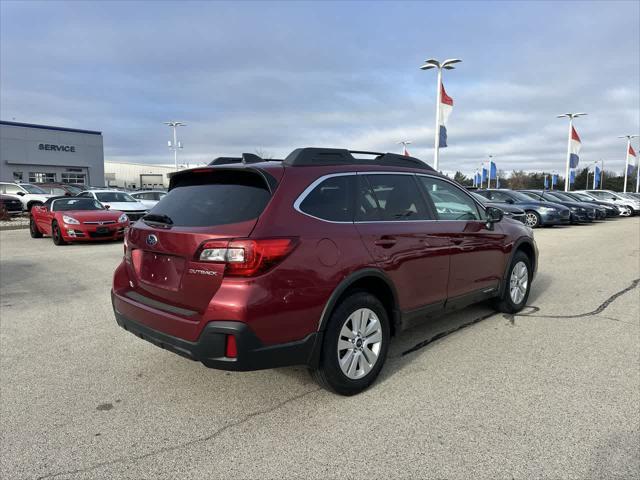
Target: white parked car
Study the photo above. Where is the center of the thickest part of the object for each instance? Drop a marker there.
(28, 194)
(149, 198)
(118, 200)
(615, 198)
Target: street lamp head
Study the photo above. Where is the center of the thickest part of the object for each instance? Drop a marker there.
(404, 142)
(450, 61)
(427, 66)
(627, 136)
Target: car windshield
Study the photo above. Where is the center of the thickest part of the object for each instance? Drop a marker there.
(533, 196)
(115, 197)
(521, 197)
(583, 197)
(480, 198)
(65, 204)
(74, 190)
(560, 196)
(33, 189)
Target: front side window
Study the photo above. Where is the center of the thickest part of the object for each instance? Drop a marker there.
(390, 198)
(331, 200)
(451, 203)
(10, 189)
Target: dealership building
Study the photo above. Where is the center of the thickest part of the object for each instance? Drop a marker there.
(41, 153)
(137, 175)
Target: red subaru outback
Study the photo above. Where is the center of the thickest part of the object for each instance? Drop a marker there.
(317, 259)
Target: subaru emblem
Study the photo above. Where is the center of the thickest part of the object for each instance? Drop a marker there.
(152, 240)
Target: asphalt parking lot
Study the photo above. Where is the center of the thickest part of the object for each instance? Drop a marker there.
(553, 392)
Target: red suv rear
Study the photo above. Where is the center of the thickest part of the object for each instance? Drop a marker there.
(317, 259)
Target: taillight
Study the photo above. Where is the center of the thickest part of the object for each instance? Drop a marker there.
(246, 258)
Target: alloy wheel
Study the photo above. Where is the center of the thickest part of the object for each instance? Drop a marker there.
(359, 343)
(518, 282)
(531, 220)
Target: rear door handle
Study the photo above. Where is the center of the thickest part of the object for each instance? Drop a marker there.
(385, 242)
(457, 241)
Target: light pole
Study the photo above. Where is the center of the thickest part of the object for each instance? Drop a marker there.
(404, 144)
(626, 160)
(447, 65)
(176, 145)
(570, 116)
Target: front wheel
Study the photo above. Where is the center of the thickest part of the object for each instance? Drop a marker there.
(56, 234)
(532, 219)
(33, 229)
(355, 345)
(517, 285)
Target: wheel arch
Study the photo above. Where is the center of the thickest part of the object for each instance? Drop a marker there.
(371, 280)
(32, 203)
(525, 245)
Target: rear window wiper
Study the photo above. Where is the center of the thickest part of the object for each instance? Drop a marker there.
(157, 218)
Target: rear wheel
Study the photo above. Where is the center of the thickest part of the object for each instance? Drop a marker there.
(56, 234)
(33, 229)
(518, 285)
(532, 219)
(355, 345)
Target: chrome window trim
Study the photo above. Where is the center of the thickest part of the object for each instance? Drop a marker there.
(318, 181)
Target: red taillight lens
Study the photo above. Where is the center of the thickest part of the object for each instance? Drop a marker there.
(246, 258)
(231, 349)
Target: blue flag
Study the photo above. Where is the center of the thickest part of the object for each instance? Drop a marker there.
(484, 174)
(546, 182)
(554, 179)
(493, 171)
(572, 177)
(596, 177)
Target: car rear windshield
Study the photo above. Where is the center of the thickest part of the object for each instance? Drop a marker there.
(211, 199)
(115, 197)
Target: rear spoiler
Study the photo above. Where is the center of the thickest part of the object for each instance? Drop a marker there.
(193, 173)
(246, 158)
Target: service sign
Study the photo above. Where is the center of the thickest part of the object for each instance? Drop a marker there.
(57, 148)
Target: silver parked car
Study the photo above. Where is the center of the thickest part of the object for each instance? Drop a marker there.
(148, 198)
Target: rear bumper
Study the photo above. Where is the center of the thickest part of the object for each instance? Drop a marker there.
(209, 348)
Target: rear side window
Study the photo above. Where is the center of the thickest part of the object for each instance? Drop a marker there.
(451, 202)
(219, 198)
(390, 198)
(331, 200)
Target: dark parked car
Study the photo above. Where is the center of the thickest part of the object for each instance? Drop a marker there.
(609, 210)
(509, 210)
(538, 213)
(317, 259)
(580, 212)
(10, 204)
(60, 189)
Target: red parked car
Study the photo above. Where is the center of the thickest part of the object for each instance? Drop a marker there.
(75, 219)
(318, 259)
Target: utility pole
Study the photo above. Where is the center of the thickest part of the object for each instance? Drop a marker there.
(175, 146)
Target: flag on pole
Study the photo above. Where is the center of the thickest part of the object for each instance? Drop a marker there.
(497, 182)
(478, 178)
(493, 171)
(596, 176)
(554, 179)
(574, 149)
(572, 177)
(446, 106)
(484, 174)
(546, 182)
(631, 160)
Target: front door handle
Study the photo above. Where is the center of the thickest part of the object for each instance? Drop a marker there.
(385, 242)
(457, 241)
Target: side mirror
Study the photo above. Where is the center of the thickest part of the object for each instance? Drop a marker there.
(20, 193)
(107, 207)
(494, 215)
(509, 201)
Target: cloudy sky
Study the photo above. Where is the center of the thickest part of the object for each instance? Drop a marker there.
(273, 76)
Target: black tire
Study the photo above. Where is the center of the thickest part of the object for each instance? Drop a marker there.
(329, 374)
(532, 219)
(56, 234)
(33, 229)
(506, 302)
